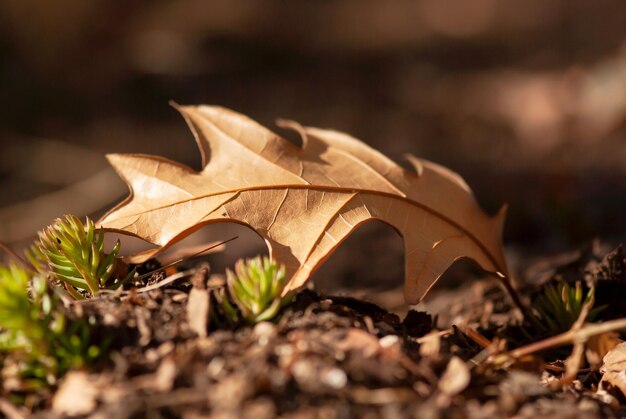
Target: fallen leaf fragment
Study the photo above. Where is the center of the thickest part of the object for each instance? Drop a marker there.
(165, 375)
(430, 345)
(76, 396)
(600, 345)
(456, 377)
(614, 370)
(359, 341)
(304, 201)
(198, 304)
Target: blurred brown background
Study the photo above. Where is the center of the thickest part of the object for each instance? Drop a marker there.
(526, 100)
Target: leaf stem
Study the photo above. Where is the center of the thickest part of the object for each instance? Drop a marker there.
(508, 285)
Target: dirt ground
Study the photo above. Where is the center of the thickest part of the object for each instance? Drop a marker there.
(338, 357)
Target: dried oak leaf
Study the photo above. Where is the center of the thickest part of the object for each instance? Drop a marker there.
(614, 372)
(304, 201)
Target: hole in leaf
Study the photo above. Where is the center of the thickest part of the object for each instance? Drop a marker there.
(368, 264)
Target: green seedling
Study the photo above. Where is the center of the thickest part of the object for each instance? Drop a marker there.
(39, 341)
(558, 307)
(73, 254)
(254, 291)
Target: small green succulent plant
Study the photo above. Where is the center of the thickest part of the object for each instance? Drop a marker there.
(74, 254)
(36, 334)
(558, 307)
(255, 290)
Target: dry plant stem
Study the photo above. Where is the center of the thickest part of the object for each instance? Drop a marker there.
(476, 337)
(574, 361)
(554, 368)
(441, 334)
(169, 265)
(490, 350)
(176, 262)
(572, 364)
(157, 285)
(166, 281)
(508, 285)
(569, 337)
(489, 347)
(584, 312)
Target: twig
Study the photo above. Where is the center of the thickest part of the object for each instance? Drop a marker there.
(569, 337)
(169, 265)
(441, 334)
(553, 368)
(476, 337)
(508, 285)
(165, 282)
(574, 361)
(147, 288)
(488, 346)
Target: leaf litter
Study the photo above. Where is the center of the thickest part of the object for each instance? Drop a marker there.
(327, 357)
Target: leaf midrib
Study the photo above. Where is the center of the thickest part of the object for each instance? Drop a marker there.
(434, 212)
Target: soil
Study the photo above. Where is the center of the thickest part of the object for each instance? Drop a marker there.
(334, 357)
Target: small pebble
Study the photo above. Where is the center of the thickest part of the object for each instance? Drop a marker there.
(216, 366)
(305, 374)
(335, 378)
(110, 320)
(388, 341)
(264, 332)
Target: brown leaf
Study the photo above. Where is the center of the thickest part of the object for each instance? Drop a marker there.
(305, 201)
(614, 368)
(600, 345)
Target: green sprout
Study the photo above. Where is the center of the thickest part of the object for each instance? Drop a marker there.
(35, 333)
(558, 307)
(73, 254)
(255, 289)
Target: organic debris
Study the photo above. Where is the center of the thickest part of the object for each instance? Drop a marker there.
(328, 355)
